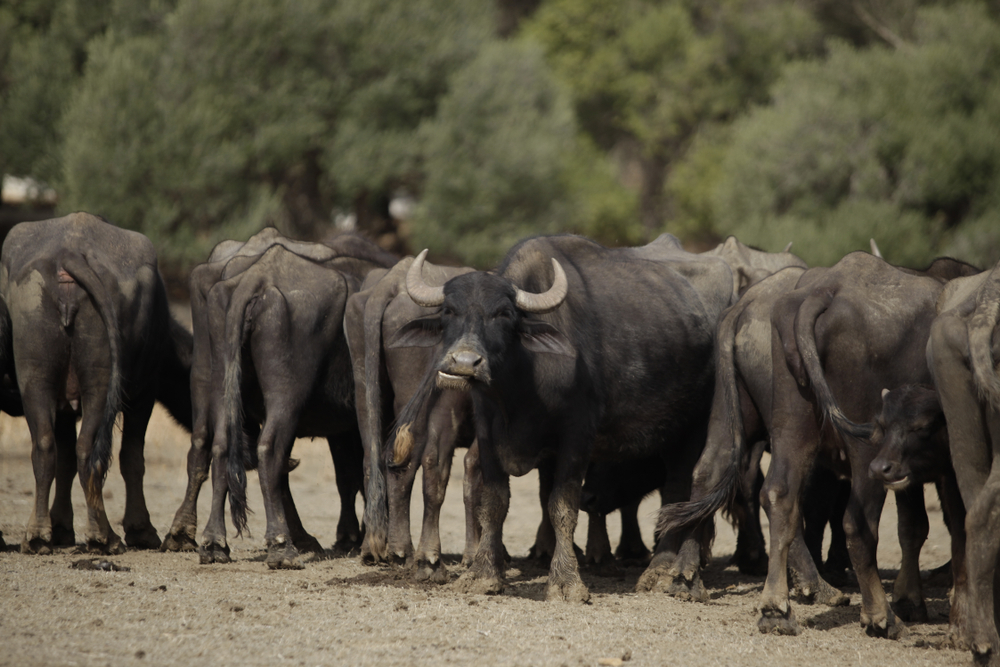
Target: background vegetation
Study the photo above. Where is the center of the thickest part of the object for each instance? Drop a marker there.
(823, 122)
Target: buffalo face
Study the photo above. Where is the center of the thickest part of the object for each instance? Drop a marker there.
(481, 319)
(912, 439)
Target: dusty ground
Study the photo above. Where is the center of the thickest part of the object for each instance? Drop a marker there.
(168, 609)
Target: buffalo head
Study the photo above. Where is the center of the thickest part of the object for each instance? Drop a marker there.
(482, 318)
(912, 439)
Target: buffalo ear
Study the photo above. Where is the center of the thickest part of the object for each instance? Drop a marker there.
(538, 336)
(421, 332)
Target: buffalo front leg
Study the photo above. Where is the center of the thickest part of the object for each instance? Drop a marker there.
(912, 528)
(61, 514)
(564, 510)
(437, 470)
(348, 466)
(139, 530)
(486, 575)
(861, 526)
(472, 493)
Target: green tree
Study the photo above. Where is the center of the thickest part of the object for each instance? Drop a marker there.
(896, 144)
(503, 162)
(646, 76)
(236, 113)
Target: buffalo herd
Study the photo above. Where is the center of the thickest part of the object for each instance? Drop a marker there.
(614, 372)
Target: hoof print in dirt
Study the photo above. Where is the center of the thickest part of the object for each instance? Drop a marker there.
(100, 565)
(213, 553)
(775, 622)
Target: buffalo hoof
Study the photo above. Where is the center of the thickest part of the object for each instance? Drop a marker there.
(36, 546)
(144, 537)
(179, 542)
(886, 628)
(213, 552)
(820, 592)
(472, 583)
(282, 555)
(436, 572)
(571, 591)
(684, 588)
(985, 655)
(308, 544)
(113, 547)
(63, 536)
(775, 622)
(907, 610)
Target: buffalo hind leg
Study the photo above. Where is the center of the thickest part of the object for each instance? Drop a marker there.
(38, 532)
(139, 531)
(183, 532)
(214, 547)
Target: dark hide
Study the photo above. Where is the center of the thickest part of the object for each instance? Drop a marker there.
(211, 287)
(91, 334)
(750, 265)
(963, 349)
(620, 369)
(844, 334)
(286, 367)
(738, 428)
(913, 450)
(385, 379)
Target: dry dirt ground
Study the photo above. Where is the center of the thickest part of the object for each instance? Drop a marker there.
(168, 609)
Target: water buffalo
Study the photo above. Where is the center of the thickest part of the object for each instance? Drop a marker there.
(738, 430)
(962, 352)
(572, 352)
(912, 438)
(91, 334)
(286, 366)
(385, 379)
(843, 334)
(211, 287)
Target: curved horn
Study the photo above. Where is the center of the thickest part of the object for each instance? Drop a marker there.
(788, 247)
(546, 301)
(422, 293)
(875, 250)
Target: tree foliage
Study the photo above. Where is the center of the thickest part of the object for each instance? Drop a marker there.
(817, 121)
(894, 144)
